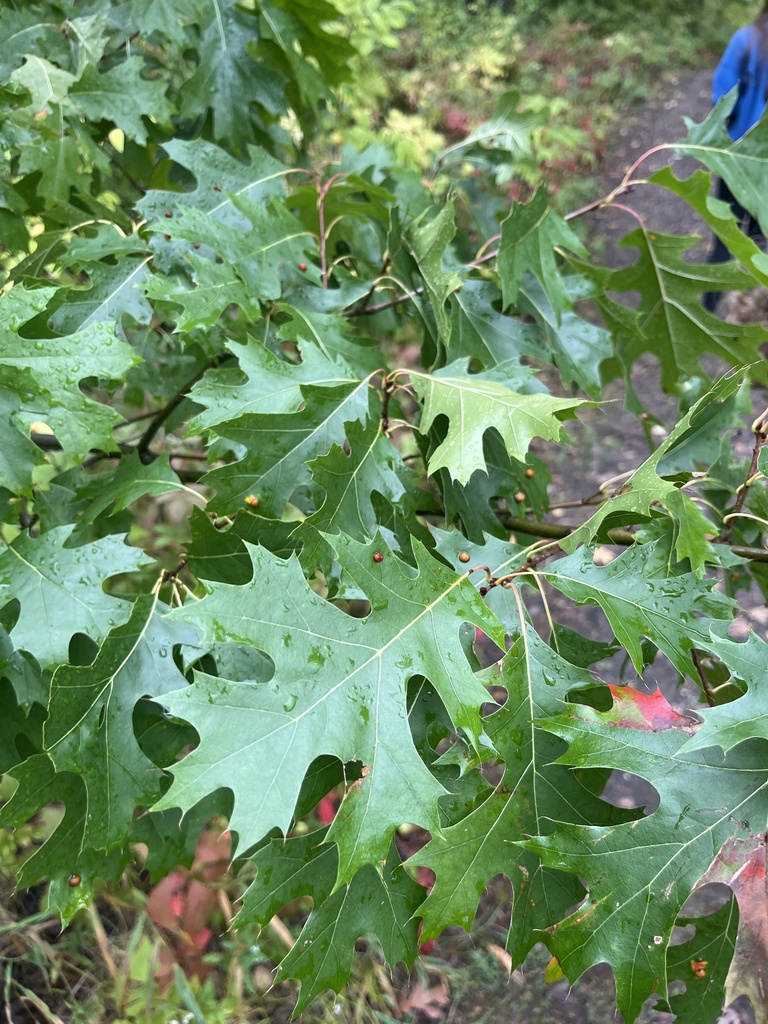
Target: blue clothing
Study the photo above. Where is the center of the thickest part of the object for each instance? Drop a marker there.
(743, 66)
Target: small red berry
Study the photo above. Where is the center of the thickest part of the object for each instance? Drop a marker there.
(73, 881)
(302, 266)
(378, 557)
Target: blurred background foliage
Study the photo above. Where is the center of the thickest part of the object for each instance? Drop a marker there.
(435, 69)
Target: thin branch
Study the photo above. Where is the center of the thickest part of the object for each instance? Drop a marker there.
(160, 417)
(601, 203)
(760, 430)
(558, 531)
(396, 301)
(705, 683)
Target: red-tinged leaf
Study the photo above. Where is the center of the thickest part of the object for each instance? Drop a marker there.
(651, 711)
(741, 865)
(640, 874)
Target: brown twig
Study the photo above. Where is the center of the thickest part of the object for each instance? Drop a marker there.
(760, 430)
(601, 203)
(162, 415)
(705, 683)
(322, 192)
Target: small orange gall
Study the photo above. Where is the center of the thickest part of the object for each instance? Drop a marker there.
(529, 472)
(378, 557)
(166, 236)
(463, 556)
(519, 497)
(168, 213)
(196, 245)
(302, 266)
(252, 500)
(73, 881)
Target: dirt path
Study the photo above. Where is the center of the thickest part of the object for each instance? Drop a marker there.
(659, 122)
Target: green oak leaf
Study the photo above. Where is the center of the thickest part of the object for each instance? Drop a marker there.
(60, 589)
(47, 85)
(39, 378)
(219, 178)
(741, 163)
(257, 251)
(531, 239)
(215, 288)
(220, 555)
(228, 79)
(579, 349)
(646, 487)
(59, 161)
(279, 446)
(263, 383)
(123, 96)
(479, 330)
(671, 322)
(717, 214)
(22, 673)
(62, 854)
(287, 869)
(475, 404)
(383, 905)
(349, 481)
(113, 290)
(641, 601)
(170, 17)
(428, 241)
(531, 796)
(259, 178)
(90, 727)
(747, 716)
(19, 456)
(339, 688)
(712, 945)
(133, 480)
(22, 32)
(331, 334)
(640, 874)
